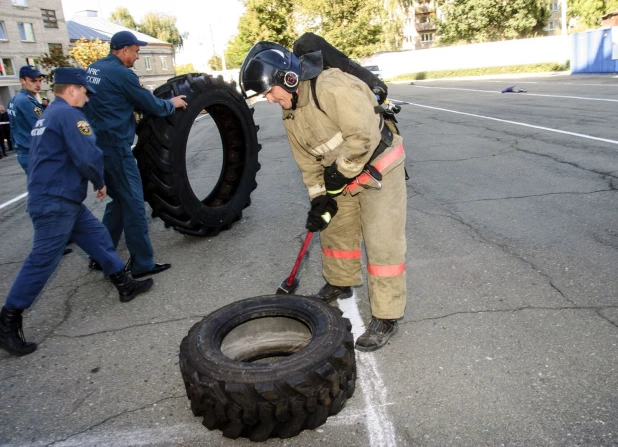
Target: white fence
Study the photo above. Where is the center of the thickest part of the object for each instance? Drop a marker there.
(491, 54)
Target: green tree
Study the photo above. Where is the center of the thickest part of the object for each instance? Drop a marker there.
(122, 16)
(85, 52)
(589, 12)
(163, 27)
(184, 69)
(271, 20)
(472, 21)
(52, 60)
(353, 26)
(215, 63)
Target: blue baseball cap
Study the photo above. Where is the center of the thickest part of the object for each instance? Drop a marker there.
(72, 75)
(125, 39)
(30, 71)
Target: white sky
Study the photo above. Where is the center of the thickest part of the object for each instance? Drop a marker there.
(202, 19)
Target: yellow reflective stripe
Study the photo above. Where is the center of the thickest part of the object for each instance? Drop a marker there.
(330, 144)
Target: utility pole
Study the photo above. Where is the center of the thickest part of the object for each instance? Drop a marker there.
(214, 49)
(565, 31)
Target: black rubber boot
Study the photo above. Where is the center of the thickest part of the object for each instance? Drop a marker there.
(11, 333)
(94, 265)
(127, 287)
(377, 334)
(330, 293)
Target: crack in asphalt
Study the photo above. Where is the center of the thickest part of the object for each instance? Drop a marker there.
(109, 331)
(583, 193)
(603, 174)
(505, 249)
(114, 417)
(597, 309)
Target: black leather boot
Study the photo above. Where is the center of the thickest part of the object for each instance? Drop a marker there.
(11, 333)
(330, 293)
(127, 287)
(377, 334)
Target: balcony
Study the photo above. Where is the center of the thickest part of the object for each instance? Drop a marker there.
(425, 26)
(424, 9)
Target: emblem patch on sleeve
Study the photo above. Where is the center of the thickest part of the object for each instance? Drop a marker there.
(84, 128)
(38, 112)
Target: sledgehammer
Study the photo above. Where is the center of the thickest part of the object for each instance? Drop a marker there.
(290, 284)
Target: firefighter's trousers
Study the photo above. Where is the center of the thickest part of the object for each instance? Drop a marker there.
(379, 218)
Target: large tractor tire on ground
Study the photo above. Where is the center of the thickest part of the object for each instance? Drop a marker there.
(161, 156)
(269, 366)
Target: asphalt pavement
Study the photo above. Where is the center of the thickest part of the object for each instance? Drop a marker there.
(511, 330)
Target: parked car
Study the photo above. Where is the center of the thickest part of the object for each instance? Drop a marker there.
(375, 70)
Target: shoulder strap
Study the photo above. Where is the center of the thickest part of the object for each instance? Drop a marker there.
(313, 82)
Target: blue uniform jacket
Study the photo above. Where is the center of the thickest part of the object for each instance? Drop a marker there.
(118, 95)
(24, 109)
(63, 155)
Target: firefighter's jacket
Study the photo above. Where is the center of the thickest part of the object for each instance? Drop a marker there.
(345, 131)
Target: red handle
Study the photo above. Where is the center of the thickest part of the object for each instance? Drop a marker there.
(299, 259)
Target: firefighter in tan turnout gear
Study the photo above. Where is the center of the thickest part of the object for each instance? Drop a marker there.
(352, 166)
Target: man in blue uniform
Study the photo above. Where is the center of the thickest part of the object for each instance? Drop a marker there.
(110, 112)
(63, 158)
(24, 110)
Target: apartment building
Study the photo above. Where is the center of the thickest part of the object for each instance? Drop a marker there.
(421, 18)
(156, 60)
(419, 31)
(28, 29)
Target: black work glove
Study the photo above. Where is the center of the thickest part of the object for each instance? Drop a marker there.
(323, 209)
(335, 181)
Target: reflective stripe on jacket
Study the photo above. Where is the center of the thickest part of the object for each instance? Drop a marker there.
(346, 131)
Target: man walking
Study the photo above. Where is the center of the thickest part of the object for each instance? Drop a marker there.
(63, 159)
(110, 112)
(24, 110)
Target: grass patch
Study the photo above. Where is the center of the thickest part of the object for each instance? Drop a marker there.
(509, 69)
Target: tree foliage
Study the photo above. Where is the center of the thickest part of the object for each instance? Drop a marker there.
(122, 16)
(215, 63)
(184, 69)
(160, 26)
(473, 21)
(352, 26)
(271, 20)
(85, 52)
(163, 27)
(52, 60)
(589, 12)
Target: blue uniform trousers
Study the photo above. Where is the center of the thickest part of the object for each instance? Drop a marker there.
(23, 155)
(56, 220)
(126, 211)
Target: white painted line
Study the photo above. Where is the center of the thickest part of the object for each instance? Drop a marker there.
(16, 199)
(380, 428)
(526, 94)
(564, 132)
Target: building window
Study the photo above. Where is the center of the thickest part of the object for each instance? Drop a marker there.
(426, 37)
(551, 25)
(33, 61)
(164, 62)
(3, 35)
(26, 33)
(6, 67)
(148, 62)
(22, 3)
(49, 18)
(555, 6)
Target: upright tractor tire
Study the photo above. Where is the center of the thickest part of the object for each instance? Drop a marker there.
(269, 366)
(161, 156)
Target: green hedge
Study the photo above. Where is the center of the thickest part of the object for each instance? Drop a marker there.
(510, 69)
